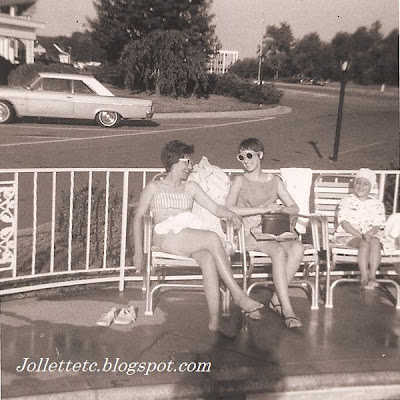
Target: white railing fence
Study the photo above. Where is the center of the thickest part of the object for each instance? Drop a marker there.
(64, 227)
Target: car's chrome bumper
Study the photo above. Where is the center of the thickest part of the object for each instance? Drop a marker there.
(149, 113)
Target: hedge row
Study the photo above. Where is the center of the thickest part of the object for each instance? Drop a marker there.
(231, 85)
(23, 75)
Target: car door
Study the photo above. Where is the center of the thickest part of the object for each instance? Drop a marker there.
(51, 97)
(85, 100)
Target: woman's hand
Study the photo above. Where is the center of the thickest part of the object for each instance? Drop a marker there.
(236, 221)
(137, 261)
(367, 237)
(273, 208)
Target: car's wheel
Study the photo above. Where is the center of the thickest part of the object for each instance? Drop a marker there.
(6, 112)
(108, 119)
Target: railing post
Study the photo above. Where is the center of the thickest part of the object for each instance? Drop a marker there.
(124, 225)
(15, 226)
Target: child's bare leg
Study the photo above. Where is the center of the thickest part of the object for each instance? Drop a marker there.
(211, 286)
(374, 257)
(363, 261)
(362, 257)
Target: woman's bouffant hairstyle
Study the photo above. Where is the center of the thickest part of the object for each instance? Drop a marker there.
(251, 144)
(173, 151)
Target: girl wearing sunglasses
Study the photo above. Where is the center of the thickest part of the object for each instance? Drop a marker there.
(255, 193)
(178, 232)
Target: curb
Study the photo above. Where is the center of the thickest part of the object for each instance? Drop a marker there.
(269, 112)
(370, 384)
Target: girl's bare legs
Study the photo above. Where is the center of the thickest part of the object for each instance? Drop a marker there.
(294, 253)
(374, 257)
(362, 257)
(279, 260)
(194, 240)
(211, 285)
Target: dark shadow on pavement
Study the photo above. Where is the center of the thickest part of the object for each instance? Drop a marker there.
(85, 122)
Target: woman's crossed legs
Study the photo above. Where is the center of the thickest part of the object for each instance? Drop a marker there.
(207, 249)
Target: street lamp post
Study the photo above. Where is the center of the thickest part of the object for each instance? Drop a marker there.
(344, 67)
(260, 65)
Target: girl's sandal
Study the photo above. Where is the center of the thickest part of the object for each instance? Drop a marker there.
(275, 307)
(292, 322)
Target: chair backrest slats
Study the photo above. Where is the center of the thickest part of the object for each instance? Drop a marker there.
(329, 189)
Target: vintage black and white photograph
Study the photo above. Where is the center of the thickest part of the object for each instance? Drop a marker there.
(199, 199)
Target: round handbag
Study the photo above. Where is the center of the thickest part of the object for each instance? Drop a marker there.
(275, 223)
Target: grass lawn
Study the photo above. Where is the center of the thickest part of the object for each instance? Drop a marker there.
(164, 104)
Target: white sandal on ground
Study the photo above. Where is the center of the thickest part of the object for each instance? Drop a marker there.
(107, 318)
(126, 316)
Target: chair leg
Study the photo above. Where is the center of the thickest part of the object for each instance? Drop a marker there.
(148, 294)
(329, 289)
(315, 299)
(397, 287)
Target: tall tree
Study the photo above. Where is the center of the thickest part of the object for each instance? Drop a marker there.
(389, 59)
(312, 57)
(363, 49)
(277, 46)
(120, 21)
(246, 68)
(163, 60)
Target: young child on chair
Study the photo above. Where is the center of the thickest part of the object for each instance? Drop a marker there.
(360, 222)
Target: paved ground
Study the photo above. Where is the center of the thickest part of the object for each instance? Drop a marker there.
(351, 351)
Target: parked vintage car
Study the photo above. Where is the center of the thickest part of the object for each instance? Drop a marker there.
(70, 96)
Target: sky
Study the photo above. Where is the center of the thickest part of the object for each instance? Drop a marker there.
(240, 24)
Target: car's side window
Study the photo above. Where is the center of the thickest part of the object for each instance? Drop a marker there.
(82, 88)
(56, 85)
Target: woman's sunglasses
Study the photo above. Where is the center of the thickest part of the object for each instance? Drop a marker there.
(188, 162)
(247, 155)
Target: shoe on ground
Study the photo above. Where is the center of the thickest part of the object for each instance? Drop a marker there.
(371, 285)
(126, 316)
(107, 318)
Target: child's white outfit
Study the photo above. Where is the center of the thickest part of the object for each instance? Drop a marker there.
(361, 215)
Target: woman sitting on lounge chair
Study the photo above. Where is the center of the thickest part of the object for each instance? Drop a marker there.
(178, 231)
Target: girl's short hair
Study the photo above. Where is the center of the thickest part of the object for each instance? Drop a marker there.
(251, 144)
(173, 151)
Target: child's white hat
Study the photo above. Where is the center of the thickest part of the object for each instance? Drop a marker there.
(367, 174)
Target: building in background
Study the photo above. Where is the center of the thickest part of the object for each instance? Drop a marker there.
(18, 31)
(222, 61)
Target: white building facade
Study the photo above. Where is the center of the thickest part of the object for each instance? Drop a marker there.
(18, 31)
(222, 61)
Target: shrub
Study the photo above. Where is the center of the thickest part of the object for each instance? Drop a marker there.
(390, 188)
(232, 86)
(109, 73)
(23, 74)
(80, 220)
